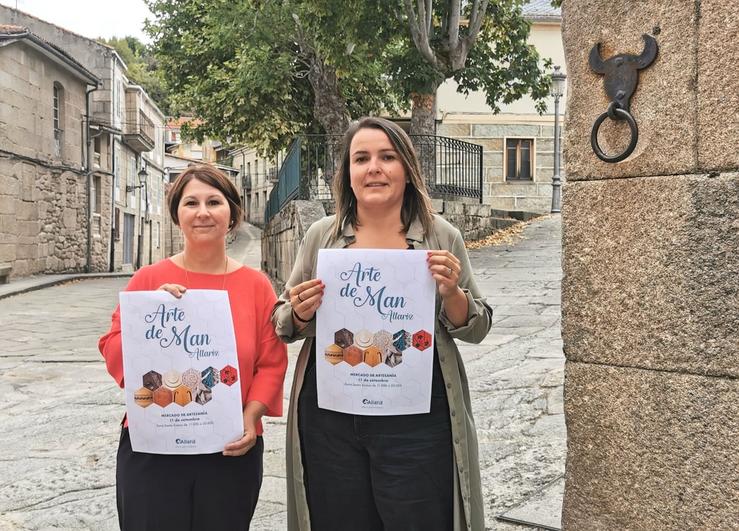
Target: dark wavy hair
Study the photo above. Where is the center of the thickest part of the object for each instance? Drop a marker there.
(416, 200)
(213, 177)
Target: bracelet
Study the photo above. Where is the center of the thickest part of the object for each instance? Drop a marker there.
(302, 320)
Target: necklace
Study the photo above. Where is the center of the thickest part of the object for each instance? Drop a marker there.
(187, 277)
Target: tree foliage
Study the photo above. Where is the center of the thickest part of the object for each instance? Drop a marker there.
(503, 64)
(258, 72)
(480, 44)
(143, 68)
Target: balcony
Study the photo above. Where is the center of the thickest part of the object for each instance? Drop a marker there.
(138, 130)
(272, 174)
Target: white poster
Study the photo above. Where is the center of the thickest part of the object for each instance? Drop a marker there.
(375, 331)
(181, 372)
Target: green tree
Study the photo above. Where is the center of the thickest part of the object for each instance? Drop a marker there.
(143, 68)
(258, 72)
(481, 44)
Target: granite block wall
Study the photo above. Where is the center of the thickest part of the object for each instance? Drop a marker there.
(650, 304)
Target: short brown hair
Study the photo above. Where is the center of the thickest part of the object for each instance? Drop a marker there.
(416, 200)
(213, 177)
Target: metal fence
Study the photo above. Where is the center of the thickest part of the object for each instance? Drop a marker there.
(452, 169)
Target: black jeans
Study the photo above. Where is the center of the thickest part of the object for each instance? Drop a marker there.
(377, 472)
(186, 492)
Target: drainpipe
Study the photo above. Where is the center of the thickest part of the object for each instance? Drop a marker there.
(114, 162)
(88, 253)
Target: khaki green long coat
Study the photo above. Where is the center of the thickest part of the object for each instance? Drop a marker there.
(468, 503)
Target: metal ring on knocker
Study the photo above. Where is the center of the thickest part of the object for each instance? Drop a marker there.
(621, 114)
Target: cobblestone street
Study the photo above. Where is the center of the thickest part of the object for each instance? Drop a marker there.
(60, 411)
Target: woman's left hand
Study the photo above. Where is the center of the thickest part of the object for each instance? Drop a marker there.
(445, 268)
(247, 441)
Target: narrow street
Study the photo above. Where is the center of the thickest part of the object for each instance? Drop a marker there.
(60, 411)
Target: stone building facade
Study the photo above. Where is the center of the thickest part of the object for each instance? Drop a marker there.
(126, 132)
(43, 177)
(518, 143)
(258, 176)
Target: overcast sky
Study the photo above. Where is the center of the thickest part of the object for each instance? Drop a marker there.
(90, 18)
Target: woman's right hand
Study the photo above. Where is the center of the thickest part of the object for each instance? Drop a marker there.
(176, 290)
(305, 299)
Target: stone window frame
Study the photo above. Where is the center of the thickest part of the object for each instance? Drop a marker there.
(532, 159)
(57, 110)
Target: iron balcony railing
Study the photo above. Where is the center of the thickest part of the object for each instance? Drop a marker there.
(452, 169)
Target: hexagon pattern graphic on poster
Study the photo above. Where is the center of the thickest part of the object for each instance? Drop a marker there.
(143, 397)
(163, 396)
(203, 394)
(333, 354)
(152, 380)
(172, 379)
(210, 377)
(382, 340)
(363, 338)
(229, 375)
(401, 340)
(182, 395)
(353, 355)
(393, 358)
(191, 378)
(372, 356)
(421, 340)
(343, 338)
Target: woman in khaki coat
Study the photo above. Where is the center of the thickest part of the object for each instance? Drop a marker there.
(398, 472)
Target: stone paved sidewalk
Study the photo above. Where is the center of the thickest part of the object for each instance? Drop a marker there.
(60, 411)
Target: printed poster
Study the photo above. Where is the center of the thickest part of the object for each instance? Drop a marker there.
(375, 331)
(181, 372)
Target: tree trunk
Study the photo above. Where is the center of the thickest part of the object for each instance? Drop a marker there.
(423, 113)
(329, 107)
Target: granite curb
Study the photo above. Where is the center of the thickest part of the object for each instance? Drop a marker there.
(17, 287)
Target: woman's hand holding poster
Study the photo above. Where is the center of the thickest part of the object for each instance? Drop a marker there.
(183, 394)
(375, 331)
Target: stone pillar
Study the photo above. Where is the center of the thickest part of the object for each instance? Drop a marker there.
(650, 304)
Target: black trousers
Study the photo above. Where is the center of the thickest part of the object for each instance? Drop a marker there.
(377, 472)
(186, 492)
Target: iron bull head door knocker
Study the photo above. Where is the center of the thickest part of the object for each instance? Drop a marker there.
(620, 77)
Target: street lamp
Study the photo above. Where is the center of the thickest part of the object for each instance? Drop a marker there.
(142, 175)
(557, 91)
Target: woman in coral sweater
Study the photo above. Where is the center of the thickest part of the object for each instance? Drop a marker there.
(207, 491)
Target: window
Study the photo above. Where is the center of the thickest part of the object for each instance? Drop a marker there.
(131, 180)
(96, 201)
(58, 110)
(118, 99)
(519, 159)
(159, 198)
(117, 224)
(119, 184)
(96, 194)
(96, 154)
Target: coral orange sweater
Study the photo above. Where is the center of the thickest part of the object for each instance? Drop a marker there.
(262, 356)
